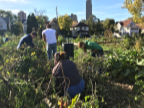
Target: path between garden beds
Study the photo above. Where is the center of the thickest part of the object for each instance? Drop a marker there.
(123, 86)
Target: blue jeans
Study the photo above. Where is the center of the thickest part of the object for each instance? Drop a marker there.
(51, 47)
(74, 90)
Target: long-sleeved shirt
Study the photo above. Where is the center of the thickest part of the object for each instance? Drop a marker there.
(25, 39)
(92, 45)
(70, 71)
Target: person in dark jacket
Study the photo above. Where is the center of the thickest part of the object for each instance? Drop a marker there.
(27, 39)
(66, 69)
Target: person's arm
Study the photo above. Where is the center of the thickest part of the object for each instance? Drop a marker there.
(33, 46)
(56, 36)
(44, 37)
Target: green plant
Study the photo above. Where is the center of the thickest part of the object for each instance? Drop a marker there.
(61, 39)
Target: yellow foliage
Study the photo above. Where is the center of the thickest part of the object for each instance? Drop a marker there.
(64, 22)
(32, 53)
(135, 9)
(138, 45)
(74, 22)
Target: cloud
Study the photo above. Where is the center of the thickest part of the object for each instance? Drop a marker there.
(15, 1)
(15, 11)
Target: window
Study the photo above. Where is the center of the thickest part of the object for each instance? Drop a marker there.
(84, 28)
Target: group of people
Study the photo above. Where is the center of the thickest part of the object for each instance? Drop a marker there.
(65, 71)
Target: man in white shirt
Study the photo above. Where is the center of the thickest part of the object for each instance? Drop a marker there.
(50, 37)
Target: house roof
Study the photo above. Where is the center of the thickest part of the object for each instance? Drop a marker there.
(79, 24)
(7, 19)
(53, 20)
(124, 23)
(23, 21)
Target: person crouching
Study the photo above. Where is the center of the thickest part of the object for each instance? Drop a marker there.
(66, 71)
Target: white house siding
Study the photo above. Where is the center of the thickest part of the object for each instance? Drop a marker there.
(127, 30)
(74, 32)
(87, 28)
(25, 27)
(3, 24)
(78, 28)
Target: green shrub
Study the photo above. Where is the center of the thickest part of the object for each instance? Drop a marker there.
(61, 39)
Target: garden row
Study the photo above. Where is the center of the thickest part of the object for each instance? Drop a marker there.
(120, 85)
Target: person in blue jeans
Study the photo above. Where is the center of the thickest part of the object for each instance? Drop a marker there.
(50, 37)
(66, 69)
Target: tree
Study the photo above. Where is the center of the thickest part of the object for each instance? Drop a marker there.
(31, 23)
(135, 9)
(45, 18)
(95, 27)
(13, 18)
(41, 23)
(83, 21)
(109, 24)
(39, 12)
(65, 23)
(17, 28)
(74, 22)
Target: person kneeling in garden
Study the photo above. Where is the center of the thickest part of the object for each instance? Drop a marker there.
(95, 48)
(66, 74)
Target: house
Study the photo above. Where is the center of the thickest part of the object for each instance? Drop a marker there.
(79, 29)
(54, 24)
(5, 24)
(24, 23)
(127, 27)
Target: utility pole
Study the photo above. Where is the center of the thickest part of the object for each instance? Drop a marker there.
(56, 13)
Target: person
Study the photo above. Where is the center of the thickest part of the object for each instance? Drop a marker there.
(50, 37)
(95, 48)
(66, 68)
(28, 40)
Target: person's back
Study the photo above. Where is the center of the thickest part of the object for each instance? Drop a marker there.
(92, 45)
(70, 71)
(25, 39)
(66, 69)
(50, 36)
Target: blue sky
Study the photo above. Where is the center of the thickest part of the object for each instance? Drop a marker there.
(102, 9)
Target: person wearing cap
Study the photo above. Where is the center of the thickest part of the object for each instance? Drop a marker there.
(95, 48)
(68, 70)
(50, 37)
(27, 39)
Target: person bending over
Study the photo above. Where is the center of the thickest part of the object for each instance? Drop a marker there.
(95, 48)
(74, 82)
(28, 40)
